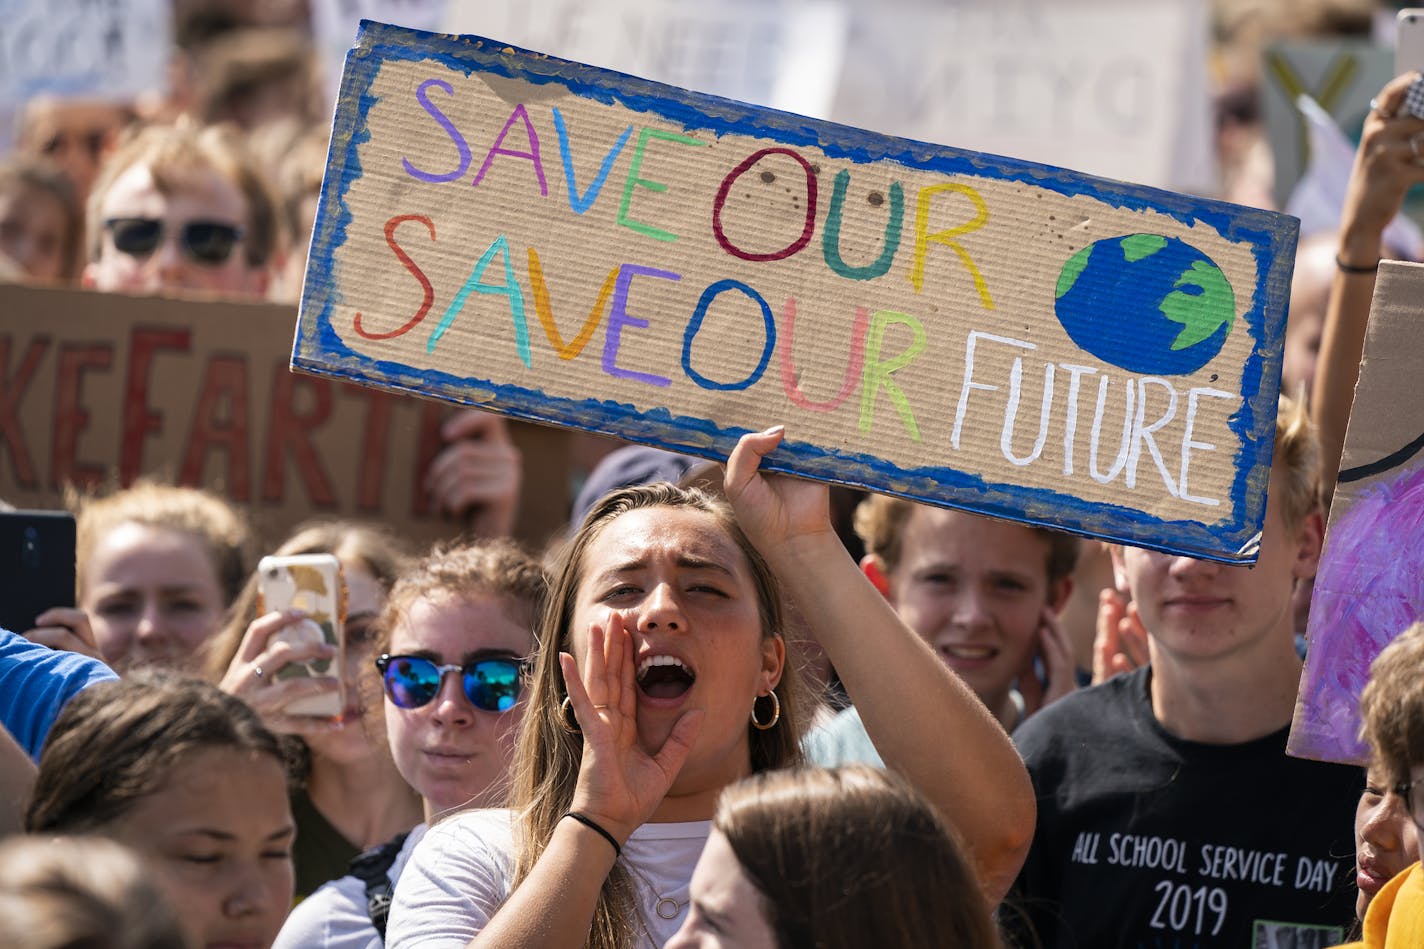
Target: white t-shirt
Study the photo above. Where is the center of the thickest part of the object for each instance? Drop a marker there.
(335, 916)
(461, 873)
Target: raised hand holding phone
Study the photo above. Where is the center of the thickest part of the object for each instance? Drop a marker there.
(289, 662)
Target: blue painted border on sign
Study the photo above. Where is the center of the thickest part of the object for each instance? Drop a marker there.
(318, 349)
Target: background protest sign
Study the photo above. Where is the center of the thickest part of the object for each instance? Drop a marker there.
(99, 389)
(571, 245)
(1112, 87)
(1370, 585)
(785, 55)
(116, 49)
(334, 22)
(1341, 75)
(1116, 88)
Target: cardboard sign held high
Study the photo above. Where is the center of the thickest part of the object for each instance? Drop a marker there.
(1370, 585)
(575, 246)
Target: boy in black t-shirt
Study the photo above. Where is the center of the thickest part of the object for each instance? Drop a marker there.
(1169, 813)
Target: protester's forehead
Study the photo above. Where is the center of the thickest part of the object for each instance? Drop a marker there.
(139, 190)
(678, 533)
(455, 626)
(45, 117)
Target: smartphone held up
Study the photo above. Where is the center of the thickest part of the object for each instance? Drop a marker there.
(314, 585)
(1409, 56)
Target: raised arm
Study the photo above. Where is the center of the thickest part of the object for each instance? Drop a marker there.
(925, 722)
(1387, 164)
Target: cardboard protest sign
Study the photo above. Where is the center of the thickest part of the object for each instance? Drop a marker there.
(71, 47)
(571, 245)
(100, 389)
(1370, 586)
(1116, 88)
(1341, 75)
(114, 50)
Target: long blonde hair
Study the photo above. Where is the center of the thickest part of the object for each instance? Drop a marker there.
(546, 764)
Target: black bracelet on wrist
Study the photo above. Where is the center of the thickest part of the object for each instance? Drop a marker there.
(592, 825)
(1351, 268)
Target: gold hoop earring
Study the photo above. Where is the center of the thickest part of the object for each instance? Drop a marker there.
(775, 712)
(567, 717)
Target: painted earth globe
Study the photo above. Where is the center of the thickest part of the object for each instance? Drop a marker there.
(1149, 304)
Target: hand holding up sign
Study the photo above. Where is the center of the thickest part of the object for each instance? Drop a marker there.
(477, 475)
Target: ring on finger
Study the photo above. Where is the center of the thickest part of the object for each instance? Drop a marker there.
(257, 671)
(1416, 147)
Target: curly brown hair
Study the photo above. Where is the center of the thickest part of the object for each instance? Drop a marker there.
(1392, 705)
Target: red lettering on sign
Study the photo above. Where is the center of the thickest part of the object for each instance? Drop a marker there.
(12, 391)
(807, 229)
(426, 288)
(290, 431)
(139, 421)
(791, 378)
(71, 416)
(220, 422)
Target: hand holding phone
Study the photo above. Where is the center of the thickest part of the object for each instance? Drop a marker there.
(68, 629)
(310, 590)
(36, 566)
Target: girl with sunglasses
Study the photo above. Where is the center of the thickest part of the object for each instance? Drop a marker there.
(661, 681)
(454, 641)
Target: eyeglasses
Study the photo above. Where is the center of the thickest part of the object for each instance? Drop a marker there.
(207, 242)
(492, 684)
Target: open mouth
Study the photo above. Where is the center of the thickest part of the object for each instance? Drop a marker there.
(664, 677)
(968, 652)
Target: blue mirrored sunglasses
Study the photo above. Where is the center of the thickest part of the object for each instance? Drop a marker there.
(491, 684)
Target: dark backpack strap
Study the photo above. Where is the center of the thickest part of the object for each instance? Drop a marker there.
(371, 868)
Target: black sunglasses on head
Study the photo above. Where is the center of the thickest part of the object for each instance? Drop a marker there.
(206, 242)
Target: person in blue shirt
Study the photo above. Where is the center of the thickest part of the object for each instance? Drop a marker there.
(35, 684)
